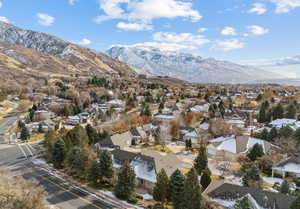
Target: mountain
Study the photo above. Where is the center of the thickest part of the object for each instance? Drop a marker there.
(286, 66)
(186, 66)
(26, 52)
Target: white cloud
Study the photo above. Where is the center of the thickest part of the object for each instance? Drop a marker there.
(45, 19)
(258, 8)
(257, 30)
(228, 31)
(202, 30)
(285, 6)
(4, 19)
(228, 45)
(84, 41)
(164, 46)
(1, 4)
(133, 26)
(72, 2)
(144, 11)
(181, 38)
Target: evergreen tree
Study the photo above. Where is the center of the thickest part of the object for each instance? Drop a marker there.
(262, 114)
(285, 188)
(286, 132)
(177, 189)
(200, 163)
(296, 203)
(192, 191)
(125, 185)
(256, 151)
(94, 172)
(21, 124)
(76, 137)
(92, 134)
(76, 161)
(24, 134)
(251, 175)
(297, 134)
(160, 191)
(205, 179)
(291, 111)
(40, 129)
(273, 134)
(106, 165)
(264, 134)
(278, 112)
(242, 204)
(58, 153)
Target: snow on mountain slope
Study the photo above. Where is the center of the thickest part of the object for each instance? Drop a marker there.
(186, 66)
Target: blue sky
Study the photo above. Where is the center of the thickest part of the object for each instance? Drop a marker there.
(233, 30)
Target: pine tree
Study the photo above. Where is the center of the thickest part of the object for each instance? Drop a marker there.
(265, 134)
(94, 172)
(262, 114)
(76, 137)
(200, 163)
(76, 161)
(285, 188)
(160, 191)
(24, 134)
(106, 165)
(125, 185)
(256, 151)
(278, 112)
(286, 132)
(205, 179)
(297, 134)
(176, 189)
(92, 134)
(291, 111)
(252, 175)
(40, 129)
(296, 203)
(192, 191)
(273, 134)
(58, 153)
(242, 204)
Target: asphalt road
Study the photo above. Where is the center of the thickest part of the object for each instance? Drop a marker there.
(5, 123)
(60, 192)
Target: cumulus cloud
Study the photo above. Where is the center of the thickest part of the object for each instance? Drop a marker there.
(181, 38)
(202, 30)
(84, 41)
(258, 8)
(285, 6)
(134, 26)
(228, 45)
(45, 19)
(257, 30)
(4, 19)
(228, 31)
(164, 46)
(144, 11)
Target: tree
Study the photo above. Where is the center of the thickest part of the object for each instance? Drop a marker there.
(125, 185)
(252, 177)
(278, 112)
(76, 137)
(106, 165)
(192, 191)
(160, 190)
(205, 179)
(24, 134)
(94, 172)
(284, 188)
(40, 129)
(177, 189)
(264, 134)
(262, 114)
(92, 134)
(296, 203)
(256, 151)
(58, 153)
(174, 130)
(242, 204)
(200, 163)
(297, 134)
(273, 134)
(291, 111)
(286, 132)
(76, 161)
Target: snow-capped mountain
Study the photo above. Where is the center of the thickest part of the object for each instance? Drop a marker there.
(187, 66)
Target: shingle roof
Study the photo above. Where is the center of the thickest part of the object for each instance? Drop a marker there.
(266, 199)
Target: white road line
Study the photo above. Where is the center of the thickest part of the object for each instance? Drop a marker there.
(22, 151)
(26, 145)
(31, 147)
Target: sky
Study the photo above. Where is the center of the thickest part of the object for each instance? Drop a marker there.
(233, 30)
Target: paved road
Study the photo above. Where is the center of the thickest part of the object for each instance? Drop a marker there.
(7, 122)
(60, 192)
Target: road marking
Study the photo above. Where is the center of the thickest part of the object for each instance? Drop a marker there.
(31, 147)
(66, 190)
(22, 151)
(27, 147)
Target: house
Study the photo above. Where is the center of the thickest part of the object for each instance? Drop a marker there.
(188, 133)
(226, 195)
(287, 167)
(143, 166)
(122, 140)
(231, 147)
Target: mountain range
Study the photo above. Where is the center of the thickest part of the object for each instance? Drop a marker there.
(193, 68)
